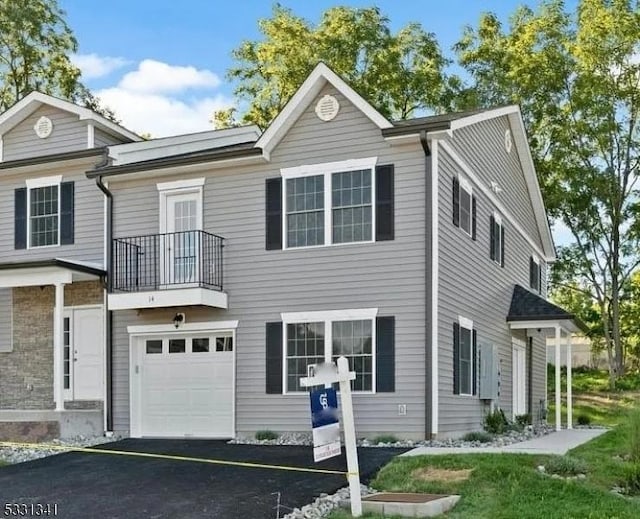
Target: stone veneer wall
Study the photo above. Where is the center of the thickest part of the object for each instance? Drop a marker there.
(26, 381)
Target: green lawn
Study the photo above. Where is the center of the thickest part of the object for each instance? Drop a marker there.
(601, 408)
(509, 485)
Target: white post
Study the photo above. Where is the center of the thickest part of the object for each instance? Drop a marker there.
(569, 390)
(58, 348)
(350, 437)
(558, 382)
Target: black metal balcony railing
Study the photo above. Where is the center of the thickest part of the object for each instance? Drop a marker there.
(164, 261)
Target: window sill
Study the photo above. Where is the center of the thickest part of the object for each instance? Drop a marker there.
(325, 246)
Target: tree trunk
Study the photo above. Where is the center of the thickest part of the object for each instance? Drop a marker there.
(609, 345)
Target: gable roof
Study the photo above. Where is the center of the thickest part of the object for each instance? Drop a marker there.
(30, 103)
(310, 88)
(527, 306)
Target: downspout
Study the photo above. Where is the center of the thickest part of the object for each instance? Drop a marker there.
(428, 322)
(109, 316)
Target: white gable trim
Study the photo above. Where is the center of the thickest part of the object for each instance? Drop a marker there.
(304, 95)
(484, 116)
(29, 104)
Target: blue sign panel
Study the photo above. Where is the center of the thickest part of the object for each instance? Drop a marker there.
(324, 407)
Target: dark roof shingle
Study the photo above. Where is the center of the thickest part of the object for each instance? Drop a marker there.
(527, 306)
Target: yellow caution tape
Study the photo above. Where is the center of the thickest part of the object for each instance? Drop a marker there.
(45, 446)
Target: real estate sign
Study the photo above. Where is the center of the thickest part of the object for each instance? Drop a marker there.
(325, 423)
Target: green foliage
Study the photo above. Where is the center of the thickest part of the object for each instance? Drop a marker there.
(35, 48)
(496, 422)
(583, 419)
(385, 438)
(523, 419)
(399, 73)
(478, 436)
(565, 466)
(634, 436)
(631, 478)
(575, 76)
(266, 435)
(628, 382)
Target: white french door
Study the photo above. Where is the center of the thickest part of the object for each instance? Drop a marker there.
(180, 243)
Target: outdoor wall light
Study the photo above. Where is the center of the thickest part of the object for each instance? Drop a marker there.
(178, 319)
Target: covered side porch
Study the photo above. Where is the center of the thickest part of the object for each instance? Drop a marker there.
(531, 312)
(53, 367)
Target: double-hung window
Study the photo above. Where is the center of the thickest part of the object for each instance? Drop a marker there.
(44, 213)
(496, 240)
(329, 203)
(464, 206)
(317, 337)
(535, 274)
(464, 357)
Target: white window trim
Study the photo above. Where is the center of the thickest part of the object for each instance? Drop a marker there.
(329, 317)
(536, 260)
(498, 220)
(464, 184)
(180, 184)
(467, 324)
(327, 169)
(35, 183)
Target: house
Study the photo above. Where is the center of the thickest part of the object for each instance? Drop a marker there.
(52, 268)
(418, 249)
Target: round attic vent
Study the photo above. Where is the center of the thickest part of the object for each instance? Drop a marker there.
(508, 141)
(327, 108)
(43, 127)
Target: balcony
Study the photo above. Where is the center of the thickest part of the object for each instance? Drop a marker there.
(163, 270)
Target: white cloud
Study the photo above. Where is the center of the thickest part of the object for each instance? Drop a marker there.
(93, 66)
(152, 99)
(157, 77)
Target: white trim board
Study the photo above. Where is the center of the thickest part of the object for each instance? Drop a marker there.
(180, 184)
(329, 167)
(489, 194)
(329, 315)
(435, 273)
(213, 326)
(315, 82)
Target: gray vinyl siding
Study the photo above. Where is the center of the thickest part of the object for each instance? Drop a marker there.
(101, 138)
(6, 303)
(69, 134)
(261, 284)
(482, 147)
(539, 377)
(472, 285)
(88, 225)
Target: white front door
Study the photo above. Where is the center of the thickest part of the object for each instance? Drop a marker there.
(183, 386)
(519, 379)
(84, 353)
(182, 246)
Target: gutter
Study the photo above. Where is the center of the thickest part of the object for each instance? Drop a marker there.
(109, 313)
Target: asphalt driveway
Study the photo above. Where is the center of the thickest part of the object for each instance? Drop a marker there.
(112, 486)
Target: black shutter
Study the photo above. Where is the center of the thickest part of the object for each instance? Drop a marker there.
(532, 266)
(502, 245)
(540, 277)
(385, 354)
(66, 213)
(20, 219)
(456, 202)
(473, 217)
(384, 202)
(475, 363)
(456, 359)
(492, 237)
(274, 358)
(273, 207)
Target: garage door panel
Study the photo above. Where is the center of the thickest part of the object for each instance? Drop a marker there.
(186, 394)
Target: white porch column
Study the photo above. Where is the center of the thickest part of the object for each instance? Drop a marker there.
(569, 393)
(58, 348)
(558, 383)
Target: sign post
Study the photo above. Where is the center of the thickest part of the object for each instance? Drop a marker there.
(327, 374)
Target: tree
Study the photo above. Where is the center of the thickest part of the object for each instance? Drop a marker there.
(35, 46)
(400, 74)
(576, 76)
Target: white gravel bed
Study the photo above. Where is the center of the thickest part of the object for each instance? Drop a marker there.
(13, 455)
(323, 505)
(508, 438)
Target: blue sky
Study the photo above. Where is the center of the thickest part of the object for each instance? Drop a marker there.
(161, 65)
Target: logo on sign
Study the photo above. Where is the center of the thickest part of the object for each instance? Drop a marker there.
(325, 422)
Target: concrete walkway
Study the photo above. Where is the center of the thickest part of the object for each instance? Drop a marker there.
(559, 442)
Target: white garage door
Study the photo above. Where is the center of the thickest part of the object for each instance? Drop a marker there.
(184, 386)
